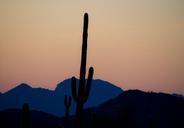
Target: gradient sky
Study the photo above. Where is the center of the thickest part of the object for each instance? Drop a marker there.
(135, 44)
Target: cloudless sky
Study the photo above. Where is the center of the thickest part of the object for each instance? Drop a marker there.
(135, 44)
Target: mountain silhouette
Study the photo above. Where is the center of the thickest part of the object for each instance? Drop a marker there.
(130, 109)
(101, 91)
(51, 101)
(178, 95)
(137, 109)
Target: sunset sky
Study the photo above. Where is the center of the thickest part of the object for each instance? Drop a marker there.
(135, 44)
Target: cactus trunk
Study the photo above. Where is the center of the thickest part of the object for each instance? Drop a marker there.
(80, 94)
(79, 115)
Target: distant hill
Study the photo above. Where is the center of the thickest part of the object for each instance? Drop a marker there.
(51, 101)
(138, 109)
(178, 95)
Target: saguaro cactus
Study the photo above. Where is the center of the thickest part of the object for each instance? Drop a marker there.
(80, 94)
(67, 102)
(25, 116)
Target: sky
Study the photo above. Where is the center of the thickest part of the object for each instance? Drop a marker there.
(134, 44)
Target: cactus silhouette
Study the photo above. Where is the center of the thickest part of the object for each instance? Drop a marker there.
(25, 116)
(80, 94)
(67, 102)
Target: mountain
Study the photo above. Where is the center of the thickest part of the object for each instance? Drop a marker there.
(36, 97)
(101, 91)
(138, 109)
(52, 101)
(178, 95)
(131, 109)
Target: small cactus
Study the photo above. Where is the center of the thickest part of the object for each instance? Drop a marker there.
(80, 94)
(67, 102)
(25, 116)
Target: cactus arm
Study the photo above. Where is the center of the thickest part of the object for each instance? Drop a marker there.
(89, 83)
(74, 89)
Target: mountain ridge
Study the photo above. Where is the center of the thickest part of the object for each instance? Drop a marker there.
(137, 109)
(130, 109)
(52, 101)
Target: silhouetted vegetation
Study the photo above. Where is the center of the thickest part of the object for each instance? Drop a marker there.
(67, 102)
(80, 94)
(25, 116)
